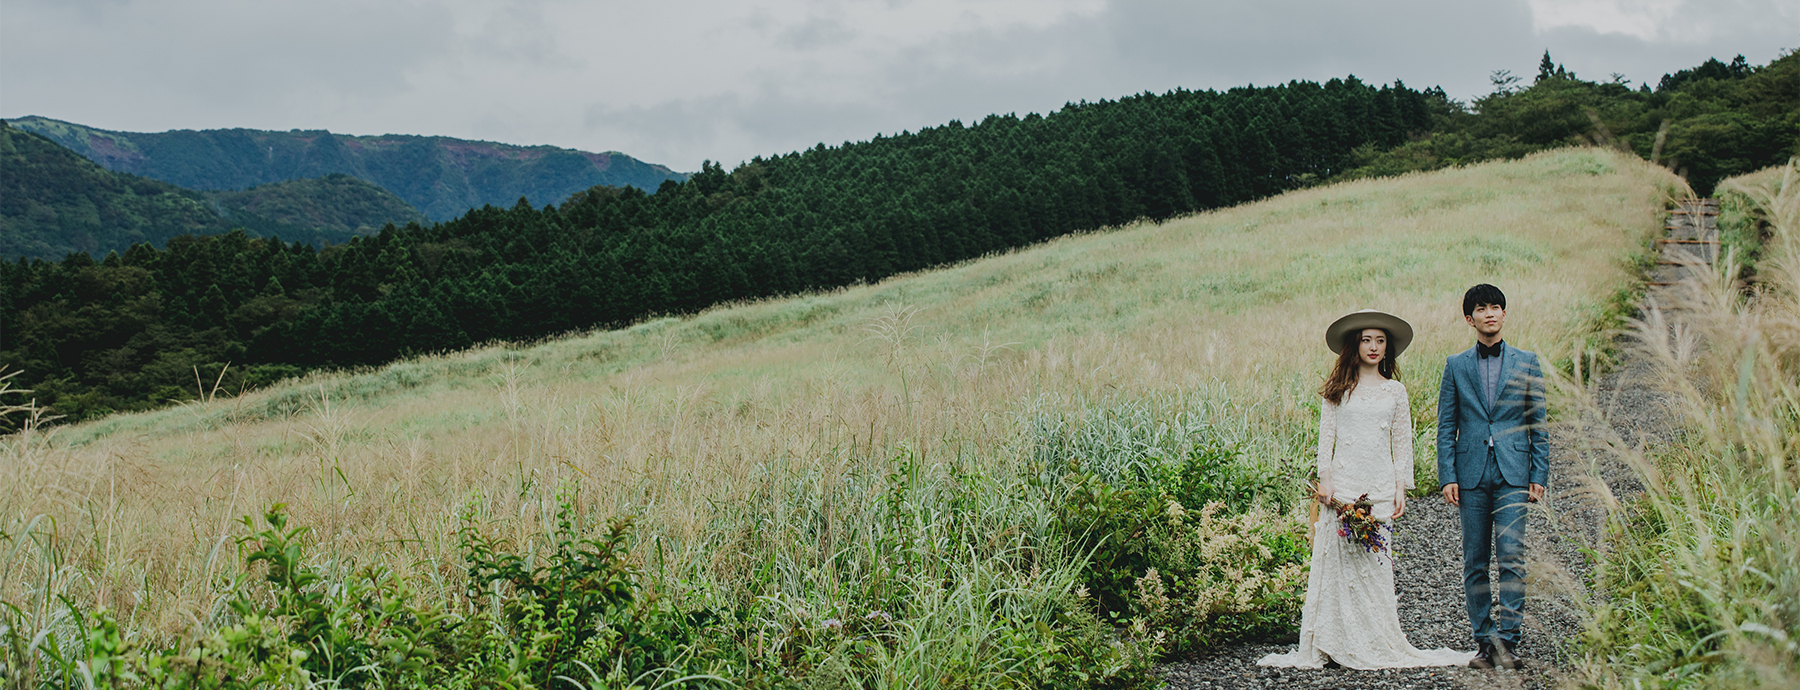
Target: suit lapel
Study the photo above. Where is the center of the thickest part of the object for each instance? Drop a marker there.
(1471, 379)
(1508, 364)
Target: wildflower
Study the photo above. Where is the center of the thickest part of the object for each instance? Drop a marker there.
(1357, 524)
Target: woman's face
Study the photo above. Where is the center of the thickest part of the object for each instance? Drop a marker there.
(1373, 346)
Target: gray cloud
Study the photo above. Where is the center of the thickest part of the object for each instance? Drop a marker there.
(815, 33)
(678, 83)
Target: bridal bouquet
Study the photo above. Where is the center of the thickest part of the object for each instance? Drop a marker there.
(1357, 524)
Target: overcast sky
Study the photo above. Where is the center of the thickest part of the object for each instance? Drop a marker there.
(676, 82)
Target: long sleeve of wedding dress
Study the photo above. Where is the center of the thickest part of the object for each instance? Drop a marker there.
(1327, 440)
(1351, 615)
(1400, 432)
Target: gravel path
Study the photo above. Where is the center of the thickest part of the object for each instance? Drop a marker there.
(1428, 561)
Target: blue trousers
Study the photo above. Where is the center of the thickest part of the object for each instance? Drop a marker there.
(1493, 526)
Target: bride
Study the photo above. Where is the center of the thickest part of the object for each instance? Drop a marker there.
(1351, 616)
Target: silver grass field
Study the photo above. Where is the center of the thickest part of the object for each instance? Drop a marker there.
(777, 455)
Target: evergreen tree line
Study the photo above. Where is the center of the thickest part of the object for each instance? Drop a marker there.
(135, 330)
(1708, 123)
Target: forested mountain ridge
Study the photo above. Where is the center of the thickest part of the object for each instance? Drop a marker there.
(53, 202)
(130, 333)
(441, 176)
(332, 208)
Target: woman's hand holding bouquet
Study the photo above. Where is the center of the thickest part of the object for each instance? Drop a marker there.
(1357, 521)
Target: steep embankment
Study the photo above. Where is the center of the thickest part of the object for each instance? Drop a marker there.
(441, 176)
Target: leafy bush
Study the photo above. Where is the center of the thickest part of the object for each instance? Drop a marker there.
(1222, 577)
(576, 613)
(579, 615)
(1192, 551)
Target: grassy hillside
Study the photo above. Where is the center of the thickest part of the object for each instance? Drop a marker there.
(810, 220)
(440, 176)
(910, 452)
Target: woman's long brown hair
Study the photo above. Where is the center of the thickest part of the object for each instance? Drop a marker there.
(1343, 376)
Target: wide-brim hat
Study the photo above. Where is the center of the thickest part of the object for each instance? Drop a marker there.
(1400, 333)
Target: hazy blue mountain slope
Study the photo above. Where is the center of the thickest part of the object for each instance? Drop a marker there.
(53, 202)
(441, 176)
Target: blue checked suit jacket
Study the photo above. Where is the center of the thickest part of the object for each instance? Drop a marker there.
(1515, 423)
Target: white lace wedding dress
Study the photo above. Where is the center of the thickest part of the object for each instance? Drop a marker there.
(1351, 615)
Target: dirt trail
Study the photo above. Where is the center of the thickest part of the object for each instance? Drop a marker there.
(1428, 551)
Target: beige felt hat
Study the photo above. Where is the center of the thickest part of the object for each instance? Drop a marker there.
(1400, 333)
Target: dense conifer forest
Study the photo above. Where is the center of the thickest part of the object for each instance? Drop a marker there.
(139, 329)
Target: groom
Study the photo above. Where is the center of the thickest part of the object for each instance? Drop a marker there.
(1493, 458)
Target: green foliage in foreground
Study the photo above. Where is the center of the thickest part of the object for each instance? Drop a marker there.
(1698, 577)
(578, 615)
(948, 575)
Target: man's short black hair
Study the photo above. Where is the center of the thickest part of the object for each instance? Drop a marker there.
(1482, 294)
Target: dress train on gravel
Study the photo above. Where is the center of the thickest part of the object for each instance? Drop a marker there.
(1351, 614)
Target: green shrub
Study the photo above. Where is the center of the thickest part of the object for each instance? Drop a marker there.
(1193, 551)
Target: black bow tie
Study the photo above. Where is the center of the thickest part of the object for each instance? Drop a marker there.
(1486, 351)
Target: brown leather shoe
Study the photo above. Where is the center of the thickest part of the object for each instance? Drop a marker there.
(1509, 656)
(1484, 657)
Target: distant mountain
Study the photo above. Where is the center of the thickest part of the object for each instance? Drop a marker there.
(54, 202)
(331, 208)
(441, 176)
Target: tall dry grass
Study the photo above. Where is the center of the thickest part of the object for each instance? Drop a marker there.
(1699, 581)
(759, 444)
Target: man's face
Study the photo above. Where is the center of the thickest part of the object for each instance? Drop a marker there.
(1487, 318)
